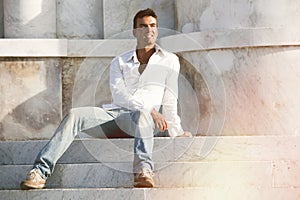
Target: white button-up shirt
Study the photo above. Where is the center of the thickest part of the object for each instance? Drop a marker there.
(156, 86)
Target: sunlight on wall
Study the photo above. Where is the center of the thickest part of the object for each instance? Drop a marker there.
(30, 9)
(24, 81)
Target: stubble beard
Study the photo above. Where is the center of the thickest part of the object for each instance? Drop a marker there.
(149, 39)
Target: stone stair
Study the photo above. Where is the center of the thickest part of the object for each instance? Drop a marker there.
(255, 59)
(216, 167)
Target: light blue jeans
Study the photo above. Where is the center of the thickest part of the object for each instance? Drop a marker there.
(138, 124)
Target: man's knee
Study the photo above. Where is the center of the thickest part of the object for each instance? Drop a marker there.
(74, 113)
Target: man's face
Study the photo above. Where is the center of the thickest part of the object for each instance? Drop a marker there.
(146, 31)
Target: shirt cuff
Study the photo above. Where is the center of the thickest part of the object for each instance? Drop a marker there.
(175, 131)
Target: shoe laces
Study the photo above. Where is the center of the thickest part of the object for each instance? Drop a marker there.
(145, 172)
(33, 174)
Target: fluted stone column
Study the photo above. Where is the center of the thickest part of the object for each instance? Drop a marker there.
(1, 19)
(80, 19)
(30, 18)
(249, 49)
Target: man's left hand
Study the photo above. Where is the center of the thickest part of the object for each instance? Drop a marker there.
(186, 134)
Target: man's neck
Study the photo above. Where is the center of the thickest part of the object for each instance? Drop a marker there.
(145, 48)
(145, 53)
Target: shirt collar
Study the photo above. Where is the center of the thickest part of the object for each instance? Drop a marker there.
(133, 57)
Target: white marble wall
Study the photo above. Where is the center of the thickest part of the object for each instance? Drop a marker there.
(80, 19)
(30, 101)
(225, 94)
(261, 88)
(103, 19)
(30, 18)
(201, 15)
(118, 16)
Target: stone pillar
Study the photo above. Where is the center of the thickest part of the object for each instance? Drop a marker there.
(80, 19)
(30, 18)
(1, 19)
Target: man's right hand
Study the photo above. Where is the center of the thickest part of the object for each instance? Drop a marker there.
(159, 121)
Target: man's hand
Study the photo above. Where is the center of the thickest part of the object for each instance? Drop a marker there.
(159, 120)
(185, 134)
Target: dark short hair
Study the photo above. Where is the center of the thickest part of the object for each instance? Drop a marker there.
(143, 13)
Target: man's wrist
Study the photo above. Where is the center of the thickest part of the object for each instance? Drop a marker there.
(153, 113)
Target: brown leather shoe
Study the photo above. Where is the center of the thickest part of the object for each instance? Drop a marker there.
(144, 179)
(33, 181)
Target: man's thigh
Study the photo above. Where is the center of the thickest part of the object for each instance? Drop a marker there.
(112, 129)
(123, 126)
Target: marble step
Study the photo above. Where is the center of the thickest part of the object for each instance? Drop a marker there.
(225, 193)
(167, 175)
(222, 148)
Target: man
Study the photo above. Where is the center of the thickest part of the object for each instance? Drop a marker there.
(141, 81)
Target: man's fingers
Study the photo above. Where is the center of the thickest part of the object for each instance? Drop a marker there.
(157, 125)
(164, 125)
(159, 120)
(186, 134)
(161, 125)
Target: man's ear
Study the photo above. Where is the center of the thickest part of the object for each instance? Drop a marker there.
(134, 32)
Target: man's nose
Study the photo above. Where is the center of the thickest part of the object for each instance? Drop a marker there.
(148, 28)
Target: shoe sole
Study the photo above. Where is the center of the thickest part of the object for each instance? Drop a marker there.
(26, 186)
(143, 185)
